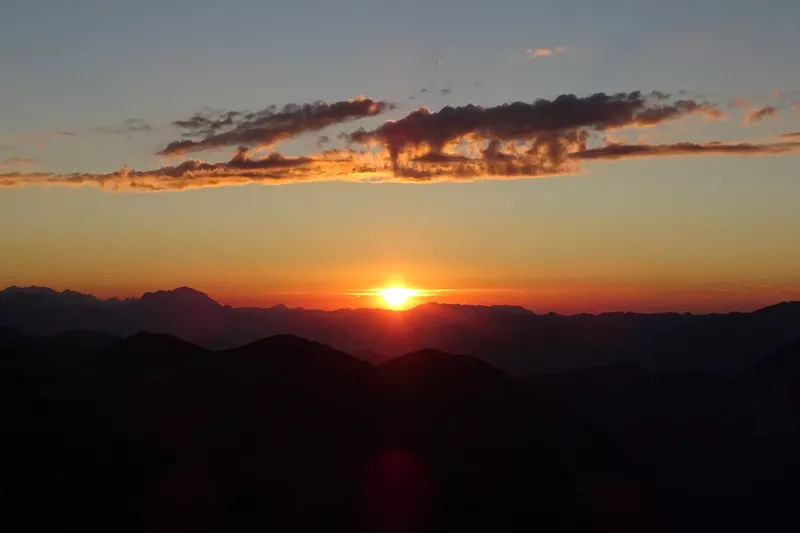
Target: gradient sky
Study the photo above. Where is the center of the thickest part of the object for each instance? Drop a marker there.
(694, 232)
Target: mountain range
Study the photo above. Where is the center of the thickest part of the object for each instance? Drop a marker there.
(519, 341)
(154, 433)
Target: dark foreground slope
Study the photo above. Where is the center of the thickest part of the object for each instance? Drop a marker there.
(721, 451)
(501, 457)
(156, 434)
(152, 433)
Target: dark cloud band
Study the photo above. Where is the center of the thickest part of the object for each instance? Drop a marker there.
(517, 140)
(268, 126)
(623, 151)
(558, 125)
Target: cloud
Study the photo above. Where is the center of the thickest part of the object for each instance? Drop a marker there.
(534, 53)
(793, 135)
(551, 128)
(208, 122)
(751, 113)
(759, 114)
(623, 151)
(516, 140)
(495, 161)
(441, 158)
(268, 126)
(242, 160)
(241, 169)
(131, 125)
(539, 52)
(656, 115)
(17, 162)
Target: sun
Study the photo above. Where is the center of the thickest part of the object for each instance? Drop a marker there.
(396, 296)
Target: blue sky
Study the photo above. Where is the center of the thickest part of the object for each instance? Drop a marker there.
(76, 66)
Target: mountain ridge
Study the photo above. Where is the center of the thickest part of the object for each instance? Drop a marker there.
(289, 423)
(186, 290)
(517, 340)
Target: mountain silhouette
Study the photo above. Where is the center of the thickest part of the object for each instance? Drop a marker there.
(151, 432)
(289, 353)
(154, 433)
(171, 412)
(720, 447)
(726, 343)
(514, 339)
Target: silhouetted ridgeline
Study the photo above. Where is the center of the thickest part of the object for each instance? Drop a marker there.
(153, 433)
(514, 339)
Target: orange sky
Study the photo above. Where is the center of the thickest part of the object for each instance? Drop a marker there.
(636, 164)
(691, 238)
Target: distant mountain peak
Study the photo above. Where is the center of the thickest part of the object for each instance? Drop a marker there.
(31, 289)
(183, 290)
(180, 294)
(67, 296)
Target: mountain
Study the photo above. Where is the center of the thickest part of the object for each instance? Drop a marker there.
(726, 343)
(184, 312)
(506, 457)
(51, 354)
(14, 342)
(45, 293)
(514, 339)
(153, 433)
(137, 360)
(723, 447)
(43, 311)
(293, 435)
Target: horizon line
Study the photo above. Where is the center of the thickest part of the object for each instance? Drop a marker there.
(412, 308)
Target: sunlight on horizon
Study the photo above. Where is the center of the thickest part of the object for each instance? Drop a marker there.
(397, 296)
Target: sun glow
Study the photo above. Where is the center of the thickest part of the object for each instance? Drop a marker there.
(397, 296)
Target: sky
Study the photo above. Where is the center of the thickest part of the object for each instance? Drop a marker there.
(554, 155)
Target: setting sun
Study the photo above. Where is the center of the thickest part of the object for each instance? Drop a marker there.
(397, 296)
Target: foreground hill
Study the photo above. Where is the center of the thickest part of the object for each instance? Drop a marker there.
(153, 433)
(723, 449)
(156, 434)
(513, 339)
